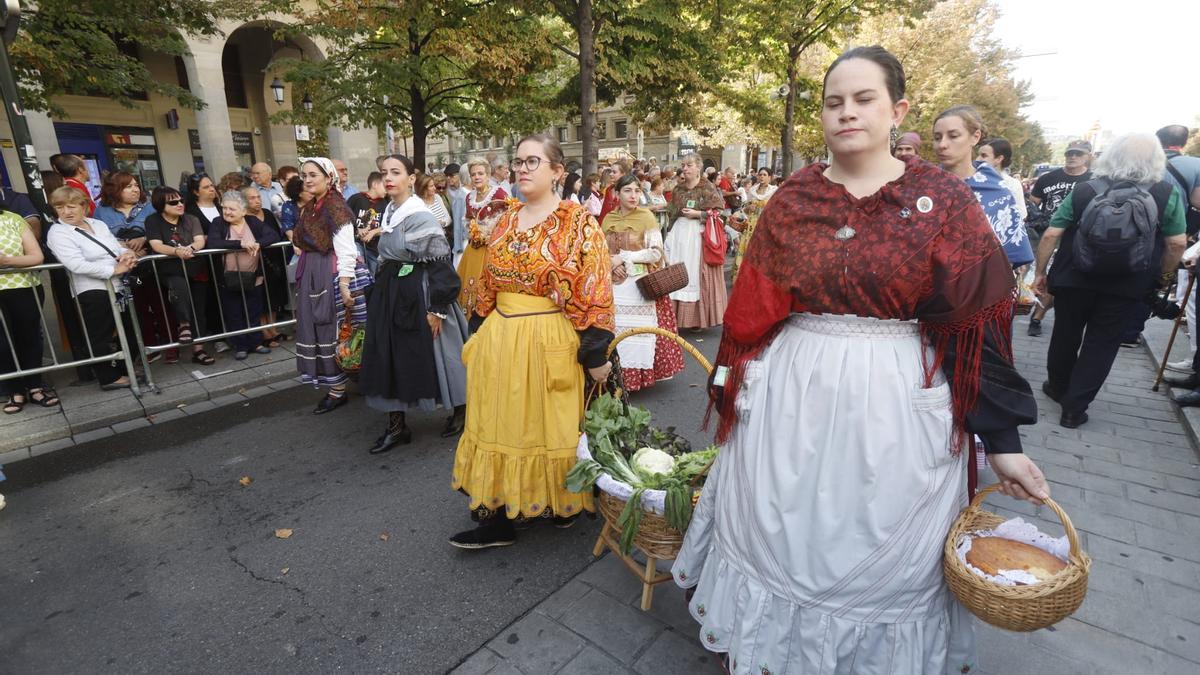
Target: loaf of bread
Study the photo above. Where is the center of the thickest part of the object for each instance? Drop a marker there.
(992, 554)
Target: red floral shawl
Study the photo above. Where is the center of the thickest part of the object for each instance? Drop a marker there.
(922, 249)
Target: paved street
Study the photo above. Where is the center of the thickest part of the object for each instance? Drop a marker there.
(142, 553)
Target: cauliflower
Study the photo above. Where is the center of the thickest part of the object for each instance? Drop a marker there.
(652, 461)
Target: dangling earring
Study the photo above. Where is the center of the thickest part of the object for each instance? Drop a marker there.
(894, 135)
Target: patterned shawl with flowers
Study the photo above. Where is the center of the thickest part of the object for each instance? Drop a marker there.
(922, 249)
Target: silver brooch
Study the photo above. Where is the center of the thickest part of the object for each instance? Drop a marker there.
(846, 232)
(924, 204)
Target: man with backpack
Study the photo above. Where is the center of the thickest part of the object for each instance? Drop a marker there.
(1118, 232)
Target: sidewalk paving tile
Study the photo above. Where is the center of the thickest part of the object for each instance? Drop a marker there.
(617, 628)
(479, 663)
(592, 661)
(535, 644)
(102, 414)
(675, 654)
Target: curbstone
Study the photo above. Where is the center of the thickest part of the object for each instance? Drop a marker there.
(50, 446)
(130, 425)
(93, 435)
(12, 456)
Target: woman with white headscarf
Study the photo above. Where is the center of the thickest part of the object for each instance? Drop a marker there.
(328, 280)
(412, 355)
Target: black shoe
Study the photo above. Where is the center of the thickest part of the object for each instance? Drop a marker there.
(565, 523)
(1190, 382)
(1073, 420)
(1135, 342)
(454, 425)
(1035, 328)
(488, 535)
(1054, 394)
(329, 403)
(390, 440)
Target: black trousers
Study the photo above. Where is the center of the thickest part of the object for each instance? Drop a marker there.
(1088, 326)
(21, 320)
(98, 320)
(60, 285)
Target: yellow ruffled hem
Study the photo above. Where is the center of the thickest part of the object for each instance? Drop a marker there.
(525, 483)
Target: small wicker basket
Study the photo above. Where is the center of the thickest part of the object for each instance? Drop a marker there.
(662, 282)
(1016, 608)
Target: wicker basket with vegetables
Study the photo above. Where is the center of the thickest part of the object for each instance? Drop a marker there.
(648, 479)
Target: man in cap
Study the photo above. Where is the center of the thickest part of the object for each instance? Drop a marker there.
(1050, 190)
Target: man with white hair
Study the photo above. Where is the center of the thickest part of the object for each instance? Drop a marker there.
(1120, 234)
(343, 172)
(270, 191)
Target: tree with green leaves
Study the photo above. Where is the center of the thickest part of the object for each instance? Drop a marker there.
(785, 32)
(654, 55)
(475, 67)
(951, 56)
(72, 47)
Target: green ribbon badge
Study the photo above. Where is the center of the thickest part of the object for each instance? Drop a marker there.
(405, 270)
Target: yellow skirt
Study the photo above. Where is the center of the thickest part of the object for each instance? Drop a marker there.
(524, 407)
(470, 268)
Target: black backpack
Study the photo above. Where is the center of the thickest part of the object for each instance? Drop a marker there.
(1118, 226)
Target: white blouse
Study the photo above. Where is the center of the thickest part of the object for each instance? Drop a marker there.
(89, 263)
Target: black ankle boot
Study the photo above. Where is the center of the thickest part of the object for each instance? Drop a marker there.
(454, 425)
(397, 433)
(495, 531)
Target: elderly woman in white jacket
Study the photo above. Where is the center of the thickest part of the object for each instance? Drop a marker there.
(92, 256)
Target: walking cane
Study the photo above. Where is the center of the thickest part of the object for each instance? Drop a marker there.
(1187, 297)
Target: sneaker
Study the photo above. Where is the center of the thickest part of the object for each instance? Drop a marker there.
(1035, 328)
(1181, 366)
(153, 357)
(485, 536)
(221, 346)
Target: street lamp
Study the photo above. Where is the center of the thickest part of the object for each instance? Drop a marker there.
(307, 102)
(277, 91)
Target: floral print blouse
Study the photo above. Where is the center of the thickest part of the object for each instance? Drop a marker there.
(564, 258)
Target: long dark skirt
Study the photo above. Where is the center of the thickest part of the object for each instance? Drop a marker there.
(404, 367)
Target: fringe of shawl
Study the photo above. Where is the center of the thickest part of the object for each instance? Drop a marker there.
(966, 338)
(734, 356)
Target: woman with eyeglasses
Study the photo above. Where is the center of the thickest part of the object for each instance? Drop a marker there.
(329, 281)
(478, 232)
(185, 282)
(412, 355)
(545, 313)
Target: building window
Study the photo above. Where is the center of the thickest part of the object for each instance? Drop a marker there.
(561, 134)
(622, 129)
(579, 132)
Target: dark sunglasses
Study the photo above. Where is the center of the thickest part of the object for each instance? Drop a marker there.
(1075, 153)
(173, 202)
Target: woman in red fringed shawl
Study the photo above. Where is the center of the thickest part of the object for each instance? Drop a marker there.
(866, 339)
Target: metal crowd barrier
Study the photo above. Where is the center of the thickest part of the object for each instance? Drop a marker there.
(122, 354)
(139, 276)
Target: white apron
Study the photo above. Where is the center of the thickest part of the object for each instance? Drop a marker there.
(817, 543)
(685, 245)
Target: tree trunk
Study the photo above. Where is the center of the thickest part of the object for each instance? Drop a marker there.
(789, 110)
(587, 83)
(420, 131)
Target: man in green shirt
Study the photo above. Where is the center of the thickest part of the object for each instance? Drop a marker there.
(1093, 310)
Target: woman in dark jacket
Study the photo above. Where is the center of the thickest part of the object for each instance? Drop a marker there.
(241, 276)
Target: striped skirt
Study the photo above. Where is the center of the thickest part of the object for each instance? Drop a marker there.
(319, 311)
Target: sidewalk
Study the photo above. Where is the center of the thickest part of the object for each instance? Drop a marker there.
(86, 413)
(1129, 479)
